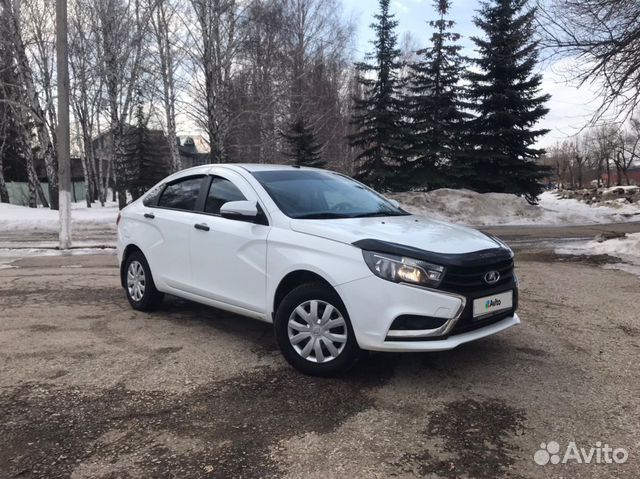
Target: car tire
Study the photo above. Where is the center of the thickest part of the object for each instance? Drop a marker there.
(138, 283)
(314, 332)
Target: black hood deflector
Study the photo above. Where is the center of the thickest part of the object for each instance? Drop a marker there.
(473, 259)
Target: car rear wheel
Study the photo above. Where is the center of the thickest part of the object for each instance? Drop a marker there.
(314, 332)
(139, 286)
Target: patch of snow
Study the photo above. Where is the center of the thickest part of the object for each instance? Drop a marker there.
(5, 263)
(9, 255)
(627, 249)
(627, 246)
(45, 219)
(577, 212)
(481, 209)
(629, 188)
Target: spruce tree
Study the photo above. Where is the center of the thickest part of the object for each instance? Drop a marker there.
(435, 107)
(303, 150)
(147, 155)
(378, 116)
(505, 92)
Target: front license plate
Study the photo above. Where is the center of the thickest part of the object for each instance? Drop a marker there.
(492, 304)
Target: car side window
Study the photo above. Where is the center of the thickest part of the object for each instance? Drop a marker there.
(221, 191)
(152, 197)
(181, 195)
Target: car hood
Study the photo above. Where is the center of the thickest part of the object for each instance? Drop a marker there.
(415, 231)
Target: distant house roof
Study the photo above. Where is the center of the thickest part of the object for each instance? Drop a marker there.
(193, 144)
(194, 149)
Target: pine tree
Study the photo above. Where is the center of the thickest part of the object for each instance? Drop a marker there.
(147, 156)
(506, 97)
(378, 116)
(304, 149)
(435, 106)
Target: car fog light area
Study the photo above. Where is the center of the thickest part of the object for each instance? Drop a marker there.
(404, 270)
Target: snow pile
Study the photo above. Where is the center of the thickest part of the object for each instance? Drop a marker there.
(626, 248)
(625, 188)
(458, 206)
(574, 211)
(469, 207)
(44, 219)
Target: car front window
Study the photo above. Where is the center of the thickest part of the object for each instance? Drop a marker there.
(182, 194)
(309, 194)
(221, 191)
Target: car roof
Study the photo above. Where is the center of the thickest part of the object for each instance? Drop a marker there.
(251, 167)
(237, 167)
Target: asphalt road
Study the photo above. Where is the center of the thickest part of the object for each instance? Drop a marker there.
(91, 388)
(535, 233)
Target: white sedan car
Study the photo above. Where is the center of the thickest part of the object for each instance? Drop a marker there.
(336, 267)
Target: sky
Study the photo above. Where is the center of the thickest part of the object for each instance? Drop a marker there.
(570, 107)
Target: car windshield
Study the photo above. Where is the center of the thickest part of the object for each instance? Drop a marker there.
(310, 194)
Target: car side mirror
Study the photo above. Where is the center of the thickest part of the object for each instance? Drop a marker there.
(394, 202)
(239, 210)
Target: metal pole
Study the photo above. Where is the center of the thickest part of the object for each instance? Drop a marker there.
(63, 136)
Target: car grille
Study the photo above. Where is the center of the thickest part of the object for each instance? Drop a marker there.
(469, 280)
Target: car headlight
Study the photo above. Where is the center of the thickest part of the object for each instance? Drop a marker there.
(404, 270)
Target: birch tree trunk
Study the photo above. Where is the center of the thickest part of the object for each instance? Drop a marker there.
(162, 31)
(122, 47)
(4, 192)
(32, 101)
(217, 22)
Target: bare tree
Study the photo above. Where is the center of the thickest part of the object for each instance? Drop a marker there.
(560, 158)
(122, 27)
(214, 52)
(603, 144)
(163, 23)
(629, 150)
(4, 134)
(580, 161)
(86, 90)
(603, 37)
(29, 100)
(6, 77)
(39, 36)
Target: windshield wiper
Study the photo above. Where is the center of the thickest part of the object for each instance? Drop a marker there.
(379, 213)
(320, 216)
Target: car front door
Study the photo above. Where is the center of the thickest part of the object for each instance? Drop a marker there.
(173, 218)
(228, 256)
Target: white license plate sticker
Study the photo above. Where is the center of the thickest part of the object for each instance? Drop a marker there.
(492, 304)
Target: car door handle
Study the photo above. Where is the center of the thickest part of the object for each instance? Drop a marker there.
(149, 215)
(201, 226)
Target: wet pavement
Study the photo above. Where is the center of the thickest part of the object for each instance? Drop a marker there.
(91, 388)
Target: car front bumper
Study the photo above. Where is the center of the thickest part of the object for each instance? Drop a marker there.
(373, 304)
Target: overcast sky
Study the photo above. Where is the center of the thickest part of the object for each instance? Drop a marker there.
(570, 107)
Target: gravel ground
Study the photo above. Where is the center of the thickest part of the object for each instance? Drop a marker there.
(91, 388)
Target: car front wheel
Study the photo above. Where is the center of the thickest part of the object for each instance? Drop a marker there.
(314, 332)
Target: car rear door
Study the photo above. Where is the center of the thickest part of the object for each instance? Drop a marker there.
(173, 218)
(228, 256)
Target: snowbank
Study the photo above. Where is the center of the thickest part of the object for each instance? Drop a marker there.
(459, 206)
(469, 207)
(626, 189)
(43, 219)
(627, 249)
